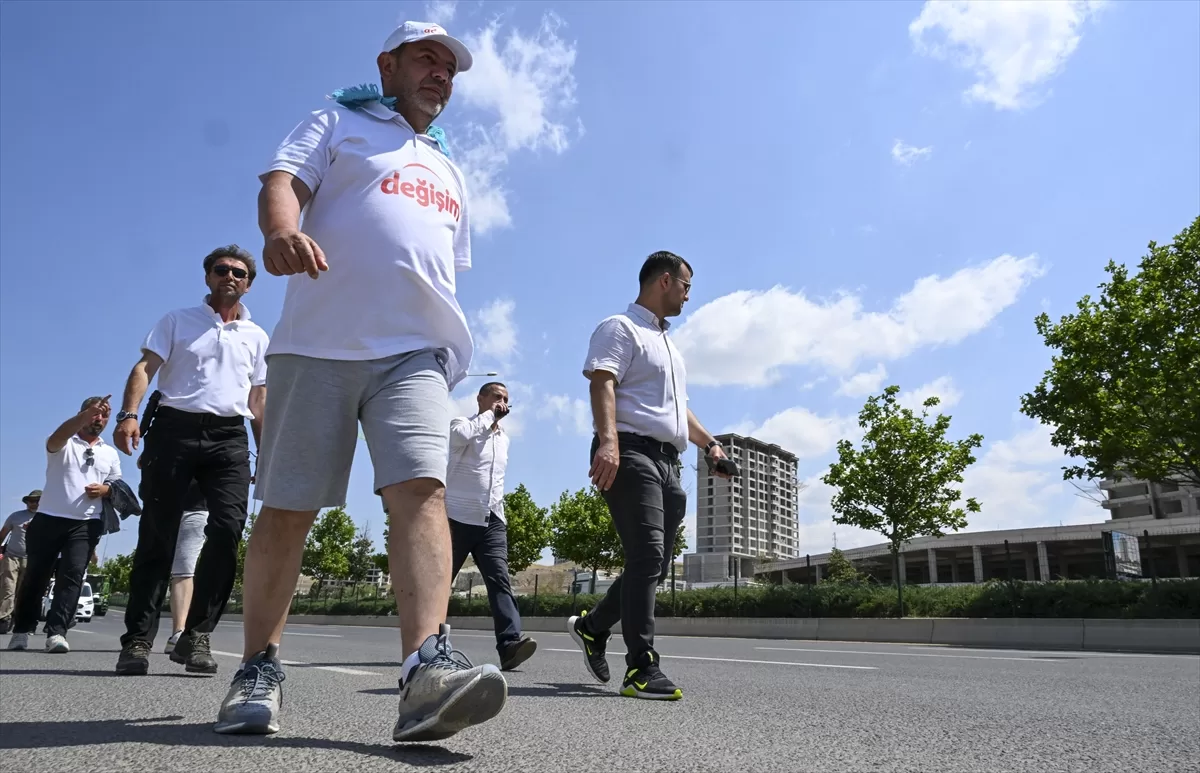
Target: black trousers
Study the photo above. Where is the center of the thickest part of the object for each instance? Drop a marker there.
(488, 545)
(214, 452)
(647, 504)
(46, 537)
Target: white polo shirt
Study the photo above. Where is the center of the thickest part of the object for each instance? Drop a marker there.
(209, 365)
(651, 385)
(478, 461)
(389, 211)
(68, 473)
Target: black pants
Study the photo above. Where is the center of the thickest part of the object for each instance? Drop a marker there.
(214, 452)
(46, 537)
(488, 545)
(647, 505)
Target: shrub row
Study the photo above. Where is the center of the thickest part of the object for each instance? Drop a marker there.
(1092, 599)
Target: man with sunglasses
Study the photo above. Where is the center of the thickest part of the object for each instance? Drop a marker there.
(211, 366)
(63, 535)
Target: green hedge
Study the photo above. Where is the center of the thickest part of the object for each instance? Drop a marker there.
(1092, 599)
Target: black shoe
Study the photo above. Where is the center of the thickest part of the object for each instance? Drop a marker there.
(5, 625)
(592, 645)
(517, 652)
(647, 681)
(194, 651)
(134, 659)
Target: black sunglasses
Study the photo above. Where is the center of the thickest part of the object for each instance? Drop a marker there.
(89, 458)
(225, 270)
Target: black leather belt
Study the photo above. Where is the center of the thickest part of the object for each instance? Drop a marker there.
(175, 416)
(641, 441)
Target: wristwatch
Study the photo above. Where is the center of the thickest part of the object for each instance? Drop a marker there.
(708, 448)
(123, 415)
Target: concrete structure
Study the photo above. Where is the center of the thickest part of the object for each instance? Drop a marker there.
(1169, 547)
(749, 519)
(1130, 498)
(374, 577)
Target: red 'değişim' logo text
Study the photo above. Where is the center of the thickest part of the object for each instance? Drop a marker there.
(424, 192)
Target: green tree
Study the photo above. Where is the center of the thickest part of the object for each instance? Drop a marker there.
(528, 529)
(359, 561)
(117, 569)
(327, 552)
(901, 483)
(840, 570)
(1123, 388)
(380, 562)
(581, 530)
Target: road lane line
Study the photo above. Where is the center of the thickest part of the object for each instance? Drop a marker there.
(903, 654)
(322, 635)
(752, 662)
(334, 669)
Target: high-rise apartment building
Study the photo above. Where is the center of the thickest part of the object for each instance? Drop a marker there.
(750, 517)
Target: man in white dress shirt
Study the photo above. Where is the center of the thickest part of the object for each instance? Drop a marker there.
(475, 505)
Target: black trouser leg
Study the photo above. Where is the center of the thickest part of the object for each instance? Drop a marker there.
(80, 537)
(645, 501)
(165, 463)
(223, 473)
(463, 538)
(43, 540)
(491, 556)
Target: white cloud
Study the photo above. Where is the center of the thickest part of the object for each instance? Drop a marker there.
(527, 84)
(863, 384)
(1011, 47)
(748, 336)
(802, 432)
(495, 331)
(441, 11)
(907, 155)
(569, 414)
(943, 388)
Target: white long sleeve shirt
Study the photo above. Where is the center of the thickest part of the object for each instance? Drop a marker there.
(475, 478)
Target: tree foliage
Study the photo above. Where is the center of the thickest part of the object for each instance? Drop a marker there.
(901, 483)
(117, 569)
(327, 552)
(1123, 389)
(359, 560)
(528, 529)
(380, 562)
(840, 570)
(582, 531)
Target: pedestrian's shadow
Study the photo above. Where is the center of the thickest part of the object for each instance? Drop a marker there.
(545, 690)
(166, 731)
(80, 672)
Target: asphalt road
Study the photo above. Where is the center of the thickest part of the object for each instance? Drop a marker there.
(749, 705)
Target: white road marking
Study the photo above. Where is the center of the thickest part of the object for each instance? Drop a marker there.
(901, 654)
(334, 669)
(752, 662)
(1056, 653)
(322, 635)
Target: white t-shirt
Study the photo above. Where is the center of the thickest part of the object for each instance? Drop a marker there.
(68, 473)
(208, 365)
(651, 385)
(389, 211)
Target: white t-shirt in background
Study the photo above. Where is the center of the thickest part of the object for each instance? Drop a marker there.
(389, 211)
(208, 365)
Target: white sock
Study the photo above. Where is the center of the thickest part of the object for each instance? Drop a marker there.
(411, 662)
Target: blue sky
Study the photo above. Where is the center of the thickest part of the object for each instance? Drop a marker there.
(870, 194)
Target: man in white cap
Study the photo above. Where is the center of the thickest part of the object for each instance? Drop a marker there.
(370, 332)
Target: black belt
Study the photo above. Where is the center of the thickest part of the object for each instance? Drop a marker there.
(176, 416)
(641, 441)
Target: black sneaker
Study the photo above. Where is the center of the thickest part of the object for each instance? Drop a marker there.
(194, 651)
(647, 681)
(134, 659)
(592, 645)
(515, 653)
(5, 625)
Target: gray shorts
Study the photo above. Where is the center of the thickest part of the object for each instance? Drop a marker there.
(311, 429)
(187, 546)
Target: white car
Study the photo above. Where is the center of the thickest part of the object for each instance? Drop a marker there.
(83, 609)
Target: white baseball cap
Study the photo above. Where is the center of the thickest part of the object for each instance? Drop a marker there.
(411, 31)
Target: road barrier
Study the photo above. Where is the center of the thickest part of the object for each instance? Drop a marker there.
(1146, 636)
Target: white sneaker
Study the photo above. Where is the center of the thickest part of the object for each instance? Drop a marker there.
(171, 642)
(19, 641)
(57, 644)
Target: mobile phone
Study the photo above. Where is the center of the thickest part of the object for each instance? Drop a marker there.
(724, 466)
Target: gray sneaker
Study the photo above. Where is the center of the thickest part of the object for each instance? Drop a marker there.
(19, 641)
(251, 706)
(445, 693)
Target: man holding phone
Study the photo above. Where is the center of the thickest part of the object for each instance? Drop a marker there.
(642, 422)
(475, 505)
